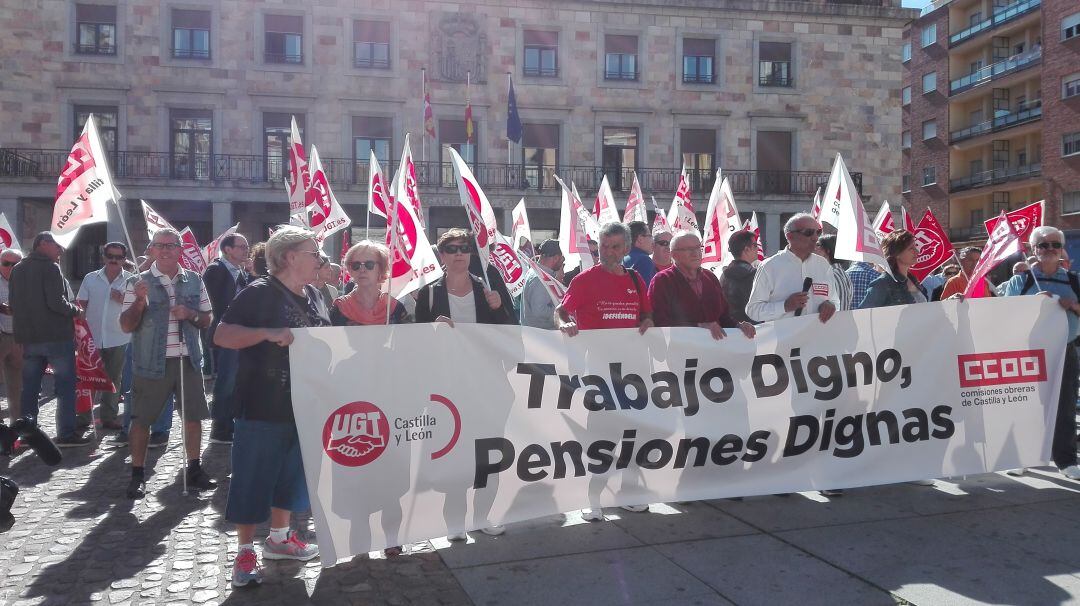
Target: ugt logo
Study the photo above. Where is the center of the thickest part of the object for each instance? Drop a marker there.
(356, 434)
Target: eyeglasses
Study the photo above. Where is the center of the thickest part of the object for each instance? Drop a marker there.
(453, 249)
(9, 263)
(687, 249)
(368, 265)
(114, 257)
(165, 245)
(806, 233)
(322, 259)
(1049, 245)
(663, 243)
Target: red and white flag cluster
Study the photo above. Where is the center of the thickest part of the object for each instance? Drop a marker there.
(681, 216)
(1004, 242)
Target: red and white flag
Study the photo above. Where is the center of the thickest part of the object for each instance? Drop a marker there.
(756, 230)
(815, 206)
(415, 264)
(89, 368)
(856, 239)
(933, 245)
(299, 179)
(521, 232)
(1024, 220)
(213, 249)
(909, 223)
(727, 207)
(883, 221)
(154, 221)
(508, 261)
(681, 215)
(412, 194)
(378, 188)
(659, 223)
(604, 208)
(7, 234)
(84, 188)
(592, 226)
(327, 217)
(635, 205)
(1002, 244)
(477, 208)
(573, 237)
(191, 255)
(716, 226)
(828, 205)
(553, 287)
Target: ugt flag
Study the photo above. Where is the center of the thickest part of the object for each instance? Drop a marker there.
(84, 187)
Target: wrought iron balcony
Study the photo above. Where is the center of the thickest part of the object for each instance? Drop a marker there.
(1028, 112)
(996, 70)
(347, 174)
(1000, 17)
(996, 176)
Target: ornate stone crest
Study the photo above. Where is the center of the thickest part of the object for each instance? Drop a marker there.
(459, 46)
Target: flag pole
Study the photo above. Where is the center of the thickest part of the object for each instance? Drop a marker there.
(123, 226)
(423, 91)
(509, 152)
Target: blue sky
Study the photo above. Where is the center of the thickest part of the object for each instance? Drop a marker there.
(915, 3)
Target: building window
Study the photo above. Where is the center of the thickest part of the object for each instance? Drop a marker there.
(929, 175)
(999, 202)
(540, 154)
(929, 35)
(1070, 27)
(452, 134)
(1070, 202)
(698, 147)
(929, 82)
(284, 39)
(905, 139)
(95, 29)
(929, 129)
(371, 44)
(1070, 144)
(774, 162)
(106, 119)
(277, 131)
(905, 184)
(541, 54)
(191, 34)
(620, 157)
(1071, 86)
(620, 57)
(905, 96)
(191, 135)
(373, 134)
(775, 65)
(905, 52)
(698, 58)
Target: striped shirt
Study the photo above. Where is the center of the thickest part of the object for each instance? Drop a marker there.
(843, 287)
(174, 348)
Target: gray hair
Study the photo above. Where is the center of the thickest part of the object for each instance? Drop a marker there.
(11, 251)
(615, 228)
(285, 239)
(682, 235)
(170, 231)
(1045, 230)
(789, 225)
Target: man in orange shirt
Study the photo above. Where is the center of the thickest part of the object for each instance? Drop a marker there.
(969, 258)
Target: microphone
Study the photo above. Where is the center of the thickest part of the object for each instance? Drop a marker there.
(806, 283)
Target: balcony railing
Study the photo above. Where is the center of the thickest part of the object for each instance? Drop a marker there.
(1006, 14)
(286, 58)
(622, 74)
(995, 71)
(1023, 114)
(996, 176)
(347, 174)
(773, 80)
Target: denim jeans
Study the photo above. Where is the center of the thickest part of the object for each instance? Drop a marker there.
(227, 362)
(61, 356)
(163, 423)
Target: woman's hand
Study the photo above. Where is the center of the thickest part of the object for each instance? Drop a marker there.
(494, 301)
(445, 320)
(748, 329)
(279, 336)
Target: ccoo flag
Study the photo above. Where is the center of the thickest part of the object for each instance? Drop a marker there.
(84, 187)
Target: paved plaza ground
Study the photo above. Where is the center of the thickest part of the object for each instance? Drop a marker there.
(989, 539)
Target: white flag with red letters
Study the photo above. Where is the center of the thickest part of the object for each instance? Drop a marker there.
(856, 239)
(84, 188)
(604, 208)
(477, 208)
(326, 215)
(681, 215)
(299, 179)
(7, 235)
(635, 205)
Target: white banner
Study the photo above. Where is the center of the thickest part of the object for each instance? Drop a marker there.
(409, 432)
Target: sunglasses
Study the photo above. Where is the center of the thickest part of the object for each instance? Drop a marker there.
(114, 257)
(806, 233)
(1049, 245)
(663, 243)
(9, 263)
(368, 265)
(165, 245)
(453, 249)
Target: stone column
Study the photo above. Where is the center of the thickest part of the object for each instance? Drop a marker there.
(774, 236)
(222, 217)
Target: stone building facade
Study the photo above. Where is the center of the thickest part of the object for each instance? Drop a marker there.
(194, 98)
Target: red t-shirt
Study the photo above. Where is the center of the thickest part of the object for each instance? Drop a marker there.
(600, 299)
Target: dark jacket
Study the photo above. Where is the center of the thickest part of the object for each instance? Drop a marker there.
(222, 289)
(40, 305)
(886, 291)
(433, 301)
(675, 303)
(737, 280)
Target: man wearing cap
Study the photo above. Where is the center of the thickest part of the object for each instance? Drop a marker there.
(43, 309)
(537, 309)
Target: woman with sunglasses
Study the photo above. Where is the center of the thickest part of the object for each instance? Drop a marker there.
(368, 265)
(459, 296)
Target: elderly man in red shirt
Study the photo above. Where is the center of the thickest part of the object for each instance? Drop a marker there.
(687, 295)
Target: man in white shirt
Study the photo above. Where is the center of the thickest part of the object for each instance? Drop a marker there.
(101, 295)
(779, 284)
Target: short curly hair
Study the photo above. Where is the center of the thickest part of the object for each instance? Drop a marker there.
(896, 242)
(286, 238)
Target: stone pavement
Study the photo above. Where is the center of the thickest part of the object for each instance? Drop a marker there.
(983, 539)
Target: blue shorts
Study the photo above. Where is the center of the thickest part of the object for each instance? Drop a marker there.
(267, 471)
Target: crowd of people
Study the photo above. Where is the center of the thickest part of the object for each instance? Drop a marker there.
(161, 329)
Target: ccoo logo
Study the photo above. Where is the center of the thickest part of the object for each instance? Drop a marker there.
(356, 434)
(1001, 368)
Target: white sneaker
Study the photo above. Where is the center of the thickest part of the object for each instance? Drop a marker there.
(1016, 472)
(593, 515)
(457, 536)
(1072, 472)
(922, 483)
(636, 508)
(494, 531)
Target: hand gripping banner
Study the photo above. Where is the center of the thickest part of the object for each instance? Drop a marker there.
(409, 432)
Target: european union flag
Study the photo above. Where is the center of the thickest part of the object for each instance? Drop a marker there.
(513, 121)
